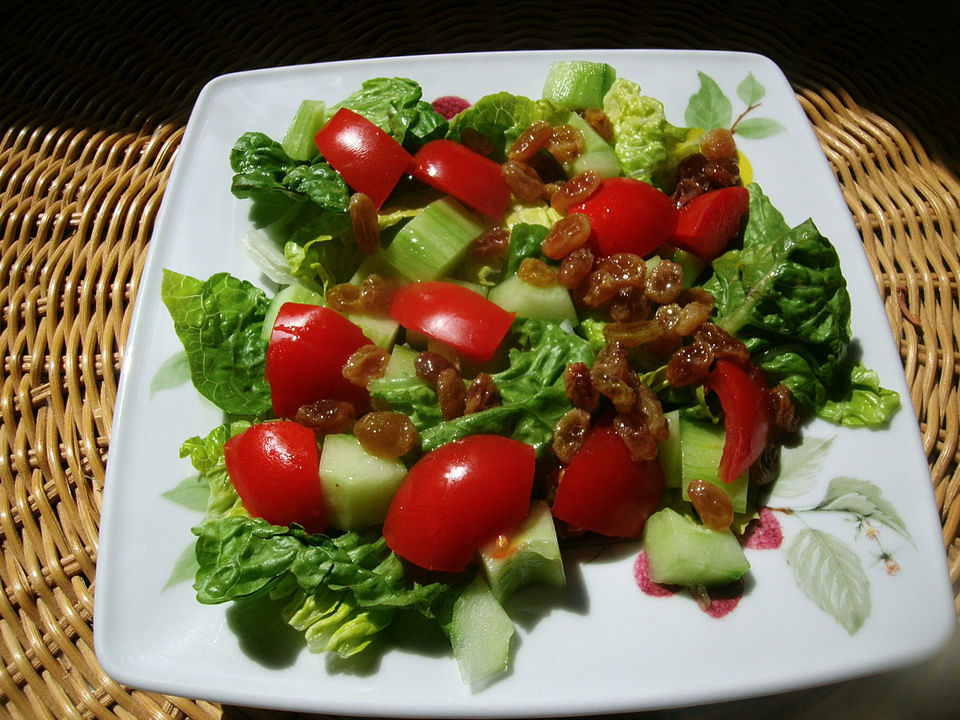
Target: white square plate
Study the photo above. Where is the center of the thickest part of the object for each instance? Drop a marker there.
(605, 646)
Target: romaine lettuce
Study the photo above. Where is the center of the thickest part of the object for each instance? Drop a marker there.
(647, 146)
(501, 118)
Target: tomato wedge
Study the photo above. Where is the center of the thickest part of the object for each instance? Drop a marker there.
(459, 172)
(369, 160)
(274, 467)
(628, 216)
(709, 222)
(604, 491)
(454, 315)
(457, 497)
(746, 417)
(305, 358)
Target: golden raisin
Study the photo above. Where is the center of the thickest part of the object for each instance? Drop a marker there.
(629, 304)
(579, 387)
(783, 413)
(569, 433)
(536, 272)
(575, 190)
(367, 363)
(598, 120)
(632, 334)
(633, 430)
(718, 144)
(722, 344)
(481, 395)
(326, 417)
(567, 234)
(492, 243)
(531, 141)
(712, 504)
(363, 217)
(451, 394)
(565, 143)
(344, 298)
(665, 282)
(386, 433)
(612, 377)
(429, 365)
(523, 180)
(575, 267)
(690, 364)
(376, 294)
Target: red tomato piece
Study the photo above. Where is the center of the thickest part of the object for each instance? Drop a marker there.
(305, 358)
(457, 497)
(604, 491)
(369, 160)
(458, 171)
(746, 417)
(628, 216)
(710, 221)
(275, 468)
(454, 315)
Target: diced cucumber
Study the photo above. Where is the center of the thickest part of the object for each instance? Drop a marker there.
(434, 242)
(357, 487)
(480, 633)
(669, 451)
(295, 293)
(298, 141)
(469, 284)
(578, 84)
(539, 303)
(597, 153)
(681, 551)
(381, 330)
(375, 264)
(691, 264)
(527, 554)
(701, 445)
(401, 361)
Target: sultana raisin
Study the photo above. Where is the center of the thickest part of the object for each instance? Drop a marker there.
(574, 268)
(690, 364)
(632, 334)
(625, 269)
(567, 234)
(523, 180)
(718, 144)
(722, 344)
(376, 294)
(531, 141)
(451, 394)
(386, 433)
(566, 142)
(536, 272)
(366, 228)
(569, 433)
(611, 376)
(600, 122)
(429, 365)
(344, 298)
(633, 430)
(579, 387)
(367, 363)
(326, 417)
(783, 413)
(481, 395)
(575, 190)
(665, 282)
(629, 304)
(692, 316)
(712, 504)
(493, 243)
(649, 406)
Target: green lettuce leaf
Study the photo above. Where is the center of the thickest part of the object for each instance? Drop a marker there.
(263, 169)
(526, 240)
(531, 390)
(206, 456)
(864, 404)
(646, 144)
(501, 117)
(219, 323)
(784, 295)
(395, 106)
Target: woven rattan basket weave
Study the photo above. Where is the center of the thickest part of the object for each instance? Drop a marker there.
(94, 101)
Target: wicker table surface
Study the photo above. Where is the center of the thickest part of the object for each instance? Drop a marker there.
(93, 102)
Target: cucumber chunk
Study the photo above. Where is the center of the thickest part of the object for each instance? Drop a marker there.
(401, 362)
(597, 153)
(298, 142)
(357, 487)
(670, 452)
(681, 551)
(292, 293)
(701, 445)
(434, 242)
(480, 633)
(528, 554)
(539, 303)
(578, 84)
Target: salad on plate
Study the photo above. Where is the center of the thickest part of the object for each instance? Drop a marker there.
(496, 331)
